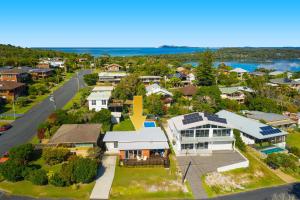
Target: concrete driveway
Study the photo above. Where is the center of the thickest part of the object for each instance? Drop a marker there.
(201, 165)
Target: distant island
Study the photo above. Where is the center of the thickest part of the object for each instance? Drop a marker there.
(174, 46)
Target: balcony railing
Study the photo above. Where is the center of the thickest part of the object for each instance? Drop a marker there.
(159, 161)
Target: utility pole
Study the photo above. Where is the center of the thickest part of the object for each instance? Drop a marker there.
(14, 110)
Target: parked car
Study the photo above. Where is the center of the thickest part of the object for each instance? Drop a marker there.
(5, 127)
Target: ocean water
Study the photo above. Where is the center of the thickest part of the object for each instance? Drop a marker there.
(282, 65)
(123, 51)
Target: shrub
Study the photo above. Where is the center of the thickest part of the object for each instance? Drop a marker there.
(22, 153)
(91, 79)
(57, 180)
(23, 101)
(38, 177)
(103, 117)
(85, 170)
(55, 155)
(11, 170)
(238, 140)
(295, 151)
(277, 160)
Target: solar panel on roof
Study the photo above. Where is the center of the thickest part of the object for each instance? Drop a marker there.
(266, 127)
(191, 118)
(268, 130)
(215, 118)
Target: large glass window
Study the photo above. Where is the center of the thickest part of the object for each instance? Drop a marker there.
(202, 145)
(187, 133)
(132, 154)
(187, 146)
(202, 133)
(221, 132)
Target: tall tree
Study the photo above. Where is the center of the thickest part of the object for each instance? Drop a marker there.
(205, 75)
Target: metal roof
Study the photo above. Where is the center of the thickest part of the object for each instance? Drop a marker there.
(179, 125)
(99, 95)
(249, 126)
(151, 134)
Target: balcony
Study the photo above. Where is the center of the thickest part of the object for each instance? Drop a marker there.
(205, 139)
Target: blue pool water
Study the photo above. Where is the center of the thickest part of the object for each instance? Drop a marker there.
(272, 150)
(149, 124)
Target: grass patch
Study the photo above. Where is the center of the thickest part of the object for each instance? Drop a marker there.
(26, 188)
(148, 183)
(255, 176)
(293, 139)
(125, 125)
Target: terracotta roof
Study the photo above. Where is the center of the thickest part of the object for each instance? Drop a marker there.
(3, 159)
(10, 85)
(189, 90)
(76, 133)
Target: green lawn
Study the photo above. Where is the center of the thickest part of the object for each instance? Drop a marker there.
(293, 139)
(125, 125)
(254, 177)
(26, 188)
(75, 99)
(148, 183)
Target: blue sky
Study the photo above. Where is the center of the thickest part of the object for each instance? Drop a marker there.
(140, 23)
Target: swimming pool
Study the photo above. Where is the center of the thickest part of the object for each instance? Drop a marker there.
(272, 150)
(149, 124)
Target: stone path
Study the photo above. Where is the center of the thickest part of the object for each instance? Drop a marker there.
(105, 178)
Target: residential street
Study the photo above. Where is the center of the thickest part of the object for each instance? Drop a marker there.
(265, 194)
(25, 127)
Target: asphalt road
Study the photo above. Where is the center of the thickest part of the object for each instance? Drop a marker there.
(266, 193)
(24, 128)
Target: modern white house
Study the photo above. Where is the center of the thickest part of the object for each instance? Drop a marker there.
(200, 133)
(150, 79)
(156, 89)
(239, 71)
(253, 131)
(98, 100)
(111, 77)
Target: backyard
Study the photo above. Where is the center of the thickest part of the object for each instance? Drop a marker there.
(148, 183)
(125, 125)
(293, 139)
(255, 176)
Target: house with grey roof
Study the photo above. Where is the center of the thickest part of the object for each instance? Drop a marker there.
(287, 82)
(142, 145)
(253, 131)
(157, 89)
(235, 93)
(272, 119)
(240, 72)
(200, 133)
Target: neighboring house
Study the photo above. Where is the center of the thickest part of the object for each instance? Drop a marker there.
(200, 133)
(144, 145)
(253, 131)
(57, 63)
(113, 68)
(286, 81)
(188, 91)
(191, 78)
(150, 79)
(43, 65)
(103, 89)
(98, 100)
(240, 72)
(40, 73)
(16, 75)
(235, 93)
(156, 89)
(276, 73)
(10, 90)
(272, 119)
(79, 138)
(111, 77)
(258, 73)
